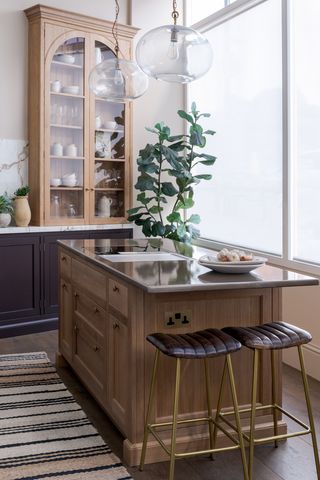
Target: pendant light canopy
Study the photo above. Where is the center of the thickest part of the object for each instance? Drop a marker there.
(117, 80)
(174, 53)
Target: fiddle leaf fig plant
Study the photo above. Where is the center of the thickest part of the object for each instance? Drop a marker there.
(167, 178)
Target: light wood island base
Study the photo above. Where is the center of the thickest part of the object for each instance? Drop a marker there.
(104, 321)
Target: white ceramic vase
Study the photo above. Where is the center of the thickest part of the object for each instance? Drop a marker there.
(5, 219)
(22, 212)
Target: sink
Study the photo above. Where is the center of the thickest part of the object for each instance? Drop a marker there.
(142, 257)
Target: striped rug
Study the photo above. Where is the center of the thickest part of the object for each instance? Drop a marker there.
(44, 434)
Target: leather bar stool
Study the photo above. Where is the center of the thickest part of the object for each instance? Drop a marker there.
(272, 336)
(198, 345)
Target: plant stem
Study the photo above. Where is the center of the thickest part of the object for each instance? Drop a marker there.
(159, 182)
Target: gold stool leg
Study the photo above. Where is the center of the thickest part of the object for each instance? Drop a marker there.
(253, 409)
(215, 430)
(309, 407)
(237, 417)
(274, 396)
(174, 421)
(149, 409)
(206, 370)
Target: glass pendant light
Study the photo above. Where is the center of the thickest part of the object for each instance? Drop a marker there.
(174, 53)
(117, 80)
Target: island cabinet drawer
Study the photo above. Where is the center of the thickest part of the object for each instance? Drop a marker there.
(118, 296)
(90, 281)
(65, 265)
(86, 308)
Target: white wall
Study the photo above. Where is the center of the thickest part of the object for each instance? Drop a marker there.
(162, 99)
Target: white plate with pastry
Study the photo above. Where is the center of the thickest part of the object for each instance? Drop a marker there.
(234, 261)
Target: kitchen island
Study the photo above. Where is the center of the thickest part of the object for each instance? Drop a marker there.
(113, 293)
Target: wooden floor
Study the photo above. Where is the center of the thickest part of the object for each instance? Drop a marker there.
(293, 460)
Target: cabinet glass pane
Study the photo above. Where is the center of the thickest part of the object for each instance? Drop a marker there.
(109, 151)
(67, 130)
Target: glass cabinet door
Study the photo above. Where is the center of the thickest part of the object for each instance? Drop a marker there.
(67, 132)
(109, 152)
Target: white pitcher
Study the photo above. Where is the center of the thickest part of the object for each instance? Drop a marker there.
(104, 205)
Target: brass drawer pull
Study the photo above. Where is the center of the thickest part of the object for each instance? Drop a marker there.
(96, 310)
(63, 258)
(116, 289)
(115, 326)
(75, 328)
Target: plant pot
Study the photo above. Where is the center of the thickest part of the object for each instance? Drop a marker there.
(22, 212)
(5, 219)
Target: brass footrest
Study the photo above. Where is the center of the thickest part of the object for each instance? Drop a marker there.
(283, 436)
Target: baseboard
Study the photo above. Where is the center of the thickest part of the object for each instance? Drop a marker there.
(311, 357)
(31, 326)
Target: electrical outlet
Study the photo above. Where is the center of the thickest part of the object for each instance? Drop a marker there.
(177, 319)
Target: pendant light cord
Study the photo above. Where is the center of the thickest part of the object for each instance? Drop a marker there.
(175, 13)
(115, 29)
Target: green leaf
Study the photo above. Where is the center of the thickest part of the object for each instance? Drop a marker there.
(185, 116)
(158, 229)
(155, 209)
(203, 177)
(149, 168)
(152, 130)
(206, 115)
(207, 157)
(181, 230)
(137, 216)
(146, 228)
(194, 218)
(194, 108)
(175, 138)
(209, 132)
(145, 183)
(168, 189)
(159, 126)
(174, 217)
(131, 211)
(141, 197)
(185, 204)
(207, 162)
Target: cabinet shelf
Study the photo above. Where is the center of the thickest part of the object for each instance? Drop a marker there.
(109, 159)
(67, 188)
(61, 94)
(109, 130)
(66, 157)
(69, 65)
(109, 189)
(73, 127)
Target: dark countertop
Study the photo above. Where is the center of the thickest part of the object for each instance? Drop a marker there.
(178, 274)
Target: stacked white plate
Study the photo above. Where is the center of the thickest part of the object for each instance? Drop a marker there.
(212, 262)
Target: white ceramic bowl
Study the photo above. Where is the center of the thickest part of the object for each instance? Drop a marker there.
(68, 182)
(71, 89)
(110, 124)
(66, 58)
(55, 182)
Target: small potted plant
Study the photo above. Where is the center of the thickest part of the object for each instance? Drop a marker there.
(6, 210)
(22, 212)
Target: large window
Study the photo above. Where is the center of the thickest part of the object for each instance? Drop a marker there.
(264, 97)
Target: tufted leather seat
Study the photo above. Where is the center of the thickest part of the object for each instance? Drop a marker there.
(272, 336)
(211, 342)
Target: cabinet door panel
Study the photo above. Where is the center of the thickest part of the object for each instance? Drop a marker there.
(89, 358)
(118, 370)
(66, 327)
(19, 276)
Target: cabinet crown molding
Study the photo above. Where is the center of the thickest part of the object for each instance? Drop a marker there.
(43, 12)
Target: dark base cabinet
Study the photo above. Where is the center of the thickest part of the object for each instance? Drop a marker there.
(29, 278)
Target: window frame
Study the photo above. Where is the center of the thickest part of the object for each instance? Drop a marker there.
(230, 11)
